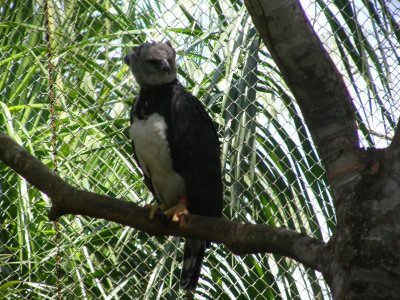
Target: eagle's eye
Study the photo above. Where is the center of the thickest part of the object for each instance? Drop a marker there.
(153, 62)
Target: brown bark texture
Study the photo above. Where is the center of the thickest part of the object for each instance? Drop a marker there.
(239, 238)
(363, 257)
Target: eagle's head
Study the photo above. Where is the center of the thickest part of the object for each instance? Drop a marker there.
(152, 63)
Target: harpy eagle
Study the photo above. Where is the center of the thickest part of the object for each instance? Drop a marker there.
(176, 146)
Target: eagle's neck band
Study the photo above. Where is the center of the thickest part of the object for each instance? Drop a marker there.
(158, 86)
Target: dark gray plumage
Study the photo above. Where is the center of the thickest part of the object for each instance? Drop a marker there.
(176, 146)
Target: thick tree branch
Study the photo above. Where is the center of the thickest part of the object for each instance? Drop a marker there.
(316, 84)
(239, 238)
(396, 138)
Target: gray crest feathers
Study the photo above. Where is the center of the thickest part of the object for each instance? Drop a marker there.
(152, 63)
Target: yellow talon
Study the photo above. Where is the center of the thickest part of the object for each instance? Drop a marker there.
(176, 212)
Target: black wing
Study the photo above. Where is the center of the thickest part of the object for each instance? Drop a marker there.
(195, 153)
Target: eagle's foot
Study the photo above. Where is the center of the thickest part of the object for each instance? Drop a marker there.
(176, 212)
(155, 209)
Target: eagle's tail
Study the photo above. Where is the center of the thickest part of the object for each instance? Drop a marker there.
(192, 261)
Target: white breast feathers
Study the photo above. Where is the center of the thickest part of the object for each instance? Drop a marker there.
(152, 150)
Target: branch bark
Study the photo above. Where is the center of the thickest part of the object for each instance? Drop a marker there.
(396, 138)
(239, 238)
(318, 87)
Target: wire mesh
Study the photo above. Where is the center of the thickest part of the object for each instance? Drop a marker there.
(72, 51)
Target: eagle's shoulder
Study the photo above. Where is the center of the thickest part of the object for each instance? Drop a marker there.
(133, 109)
(186, 104)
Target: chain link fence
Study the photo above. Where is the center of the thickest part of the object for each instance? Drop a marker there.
(65, 95)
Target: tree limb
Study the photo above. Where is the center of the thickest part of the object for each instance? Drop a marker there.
(395, 144)
(239, 238)
(317, 85)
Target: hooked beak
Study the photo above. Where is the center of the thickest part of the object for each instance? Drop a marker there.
(165, 66)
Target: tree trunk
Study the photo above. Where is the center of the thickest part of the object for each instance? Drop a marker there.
(365, 251)
(362, 260)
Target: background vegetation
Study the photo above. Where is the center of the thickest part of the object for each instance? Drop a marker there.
(66, 96)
